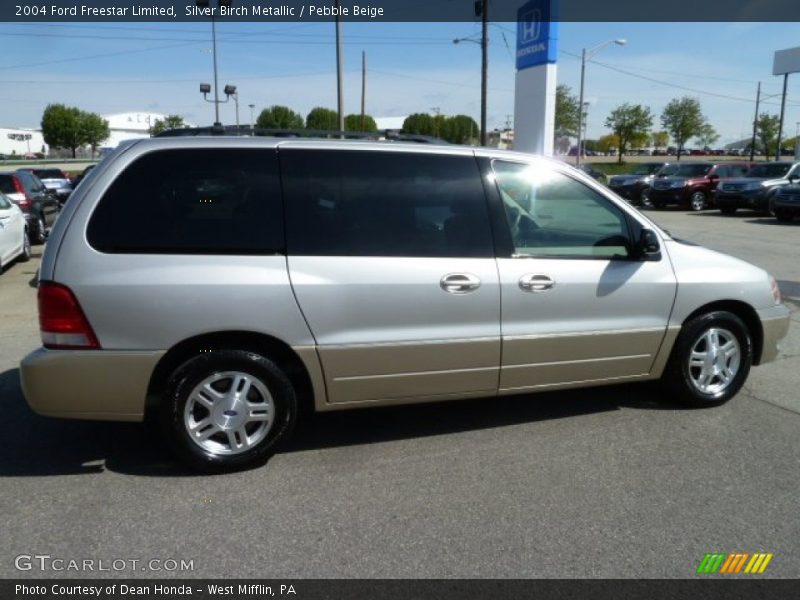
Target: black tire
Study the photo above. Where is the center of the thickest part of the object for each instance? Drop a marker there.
(40, 236)
(783, 215)
(727, 210)
(26, 248)
(657, 205)
(192, 373)
(678, 375)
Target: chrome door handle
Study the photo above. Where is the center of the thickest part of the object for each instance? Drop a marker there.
(536, 283)
(460, 283)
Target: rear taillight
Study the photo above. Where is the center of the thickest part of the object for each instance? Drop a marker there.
(26, 202)
(61, 320)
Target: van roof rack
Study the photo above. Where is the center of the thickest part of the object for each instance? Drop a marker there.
(245, 130)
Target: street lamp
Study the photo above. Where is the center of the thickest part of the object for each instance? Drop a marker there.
(252, 108)
(222, 4)
(230, 92)
(484, 74)
(587, 55)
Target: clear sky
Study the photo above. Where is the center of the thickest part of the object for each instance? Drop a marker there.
(119, 67)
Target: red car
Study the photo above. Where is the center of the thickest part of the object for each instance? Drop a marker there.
(692, 183)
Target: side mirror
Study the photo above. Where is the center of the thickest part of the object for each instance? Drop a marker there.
(648, 247)
(713, 177)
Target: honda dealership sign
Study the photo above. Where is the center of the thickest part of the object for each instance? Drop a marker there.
(536, 35)
(535, 90)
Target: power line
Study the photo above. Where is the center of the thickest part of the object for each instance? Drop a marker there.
(668, 83)
(93, 56)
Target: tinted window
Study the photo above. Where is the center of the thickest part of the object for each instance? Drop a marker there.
(551, 214)
(212, 201)
(353, 203)
(774, 170)
(691, 170)
(48, 174)
(7, 185)
(5, 203)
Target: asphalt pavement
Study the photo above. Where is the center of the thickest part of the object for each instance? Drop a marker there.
(609, 482)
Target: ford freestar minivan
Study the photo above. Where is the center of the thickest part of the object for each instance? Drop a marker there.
(225, 283)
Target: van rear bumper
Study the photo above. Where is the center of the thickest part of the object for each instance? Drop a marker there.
(88, 384)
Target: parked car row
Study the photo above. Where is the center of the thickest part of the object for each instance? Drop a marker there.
(39, 205)
(727, 185)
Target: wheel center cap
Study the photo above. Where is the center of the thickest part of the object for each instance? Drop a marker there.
(228, 416)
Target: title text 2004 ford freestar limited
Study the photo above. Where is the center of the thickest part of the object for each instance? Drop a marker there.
(255, 275)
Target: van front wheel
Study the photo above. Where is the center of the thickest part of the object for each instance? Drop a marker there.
(710, 361)
(228, 409)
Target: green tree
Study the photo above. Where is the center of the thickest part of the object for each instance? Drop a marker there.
(420, 124)
(683, 119)
(167, 123)
(767, 128)
(62, 127)
(279, 117)
(568, 112)
(459, 129)
(323, 118)
(95, 130)
(707, 136)
(353, 123)
(608, 143)
(660, 139)
(629, 122)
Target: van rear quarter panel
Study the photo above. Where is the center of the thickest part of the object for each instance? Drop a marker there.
(154, 301)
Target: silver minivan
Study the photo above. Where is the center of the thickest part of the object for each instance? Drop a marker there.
(224, 284)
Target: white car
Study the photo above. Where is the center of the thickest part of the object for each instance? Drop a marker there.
(14, 241)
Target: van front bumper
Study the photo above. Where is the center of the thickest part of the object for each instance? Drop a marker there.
(88, 384)
(775, 326)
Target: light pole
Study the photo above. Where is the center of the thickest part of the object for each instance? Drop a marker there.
(587, 55)
(797, 142)
(585, 120)
(339, 68)
(484, 68)
(230, 92)
(252, 108)
(205, 4)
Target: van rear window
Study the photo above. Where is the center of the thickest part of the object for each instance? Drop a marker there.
(193, 201)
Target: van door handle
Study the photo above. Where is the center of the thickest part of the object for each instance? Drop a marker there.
(460, 283)
(536, 283)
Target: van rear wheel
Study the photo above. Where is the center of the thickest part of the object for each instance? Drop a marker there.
(710, 361)
(228, 409)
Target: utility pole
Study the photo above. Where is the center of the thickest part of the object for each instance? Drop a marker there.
(436, 111)
(484, 65)
(252, 107)
(217, 122)
(755, 124)
(363, 87)
(783, 110)
(339, 91)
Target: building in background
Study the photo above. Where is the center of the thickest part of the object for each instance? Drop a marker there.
(17, 142)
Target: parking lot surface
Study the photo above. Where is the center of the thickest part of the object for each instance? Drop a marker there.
(611, 482)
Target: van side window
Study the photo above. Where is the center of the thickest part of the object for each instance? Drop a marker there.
(193, 201)
(356, 203)
(553, 215)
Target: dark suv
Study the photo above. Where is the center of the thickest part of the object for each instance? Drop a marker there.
(633, 186)
(692, 184)
(756, 189)
(39, 206)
